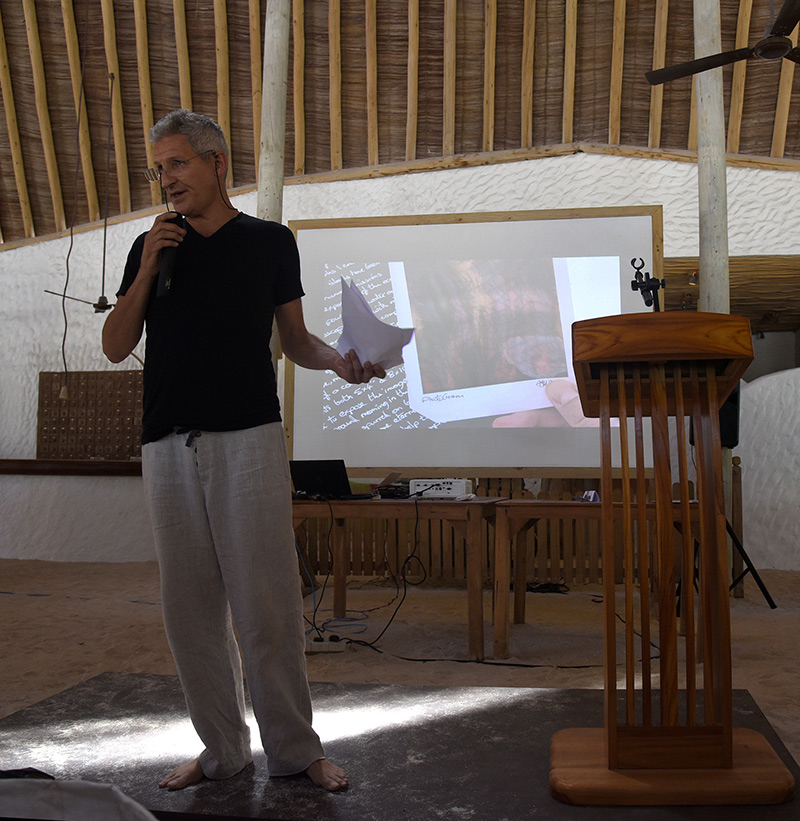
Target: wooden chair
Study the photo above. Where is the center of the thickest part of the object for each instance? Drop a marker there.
(668, 737)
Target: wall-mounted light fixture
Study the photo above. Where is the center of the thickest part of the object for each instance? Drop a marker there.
(694, 278)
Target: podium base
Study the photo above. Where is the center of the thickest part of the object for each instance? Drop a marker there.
(579, 774)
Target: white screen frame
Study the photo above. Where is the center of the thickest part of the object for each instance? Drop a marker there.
(348, 247)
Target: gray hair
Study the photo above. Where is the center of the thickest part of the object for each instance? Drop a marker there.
(202, 132)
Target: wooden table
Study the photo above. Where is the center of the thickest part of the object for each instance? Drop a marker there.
(468, 518)
(514, 516)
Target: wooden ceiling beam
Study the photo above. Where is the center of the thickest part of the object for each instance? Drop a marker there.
(528, 45)
(739, 71)
(117, 116)
(223, 77)
(371, 43)
(145, 90)
(299, 84)
(81, 116)
(570, 58)
(412, 82)
(489, 68)
(782, 104)
(17, 161)
(617, 63)
(43, 113)
(335, 81)
(764, 289)
(659, 55)
(182, 51)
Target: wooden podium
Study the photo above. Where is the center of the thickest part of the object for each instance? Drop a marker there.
(668, 735)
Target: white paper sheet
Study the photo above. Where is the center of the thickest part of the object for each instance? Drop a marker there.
(373, 340)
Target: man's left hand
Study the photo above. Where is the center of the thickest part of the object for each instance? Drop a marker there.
(349, 368)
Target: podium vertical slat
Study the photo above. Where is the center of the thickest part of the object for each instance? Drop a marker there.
(643, 533)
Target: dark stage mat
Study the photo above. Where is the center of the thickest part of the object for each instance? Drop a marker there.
(412, 753)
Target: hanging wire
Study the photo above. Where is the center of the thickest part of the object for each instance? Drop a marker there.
(102, 301)
(65, 388)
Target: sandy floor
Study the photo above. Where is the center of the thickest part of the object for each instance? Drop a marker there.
(66, 622)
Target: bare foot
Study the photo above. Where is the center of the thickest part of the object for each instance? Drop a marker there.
(327, 775)
(183, 776)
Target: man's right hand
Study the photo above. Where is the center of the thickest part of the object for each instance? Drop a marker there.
(163, 234)
(124, 325)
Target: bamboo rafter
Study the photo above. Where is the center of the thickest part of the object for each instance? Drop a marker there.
(117, 115)
(657, 92)
(255, 72)
(739, 70)
(412, 84)
(298, 85)
(13, 133)
(335, 80)
(145, 93)
(43, 113)
(449, 91)
(489, 67)
(371, 39)
(84, 137)
(781, 124)
(182, 47)
(223, 75)
(570, 58)
(528, 38)
(691, 143)
(617, 60)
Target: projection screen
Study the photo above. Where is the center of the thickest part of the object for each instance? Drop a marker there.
(486, 386)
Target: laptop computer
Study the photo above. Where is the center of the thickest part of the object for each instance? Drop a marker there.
(322, 479)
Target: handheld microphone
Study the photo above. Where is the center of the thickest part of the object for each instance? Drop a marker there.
(167, 266)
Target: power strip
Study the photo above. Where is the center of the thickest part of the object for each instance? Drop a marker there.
(440, 488)
(320, 645)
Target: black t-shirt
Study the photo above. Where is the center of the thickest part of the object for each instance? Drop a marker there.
(207, 359)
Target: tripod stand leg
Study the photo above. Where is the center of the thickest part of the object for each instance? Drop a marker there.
(750, 566)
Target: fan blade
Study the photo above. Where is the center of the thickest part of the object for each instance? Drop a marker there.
(664, 75)
(793, 55)
(787, 18)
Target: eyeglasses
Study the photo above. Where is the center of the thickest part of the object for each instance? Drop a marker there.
(175, 168)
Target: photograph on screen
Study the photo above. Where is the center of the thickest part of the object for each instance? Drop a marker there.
(491, 335)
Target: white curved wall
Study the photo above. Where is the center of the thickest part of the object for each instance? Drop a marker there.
(763, 218)
(769, 446)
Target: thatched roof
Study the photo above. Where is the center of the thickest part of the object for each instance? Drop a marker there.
(487, 77)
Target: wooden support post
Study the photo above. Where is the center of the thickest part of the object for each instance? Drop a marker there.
(277, 24)
(711, 157)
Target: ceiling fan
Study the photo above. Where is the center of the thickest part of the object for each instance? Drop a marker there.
(775, 45)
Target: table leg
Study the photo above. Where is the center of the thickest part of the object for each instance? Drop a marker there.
(521, 571)
(339, 568)
(475, 544)
(502, 581)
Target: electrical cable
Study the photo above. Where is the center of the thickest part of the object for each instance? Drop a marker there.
(108, 167)
(65, 387)
(404, 576)
(317, 603)
(333, 624)
(313, 590)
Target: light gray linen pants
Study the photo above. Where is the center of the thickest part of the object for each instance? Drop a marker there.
(222, 521)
